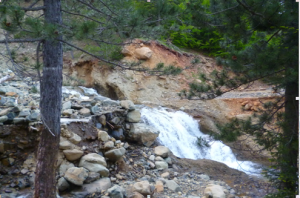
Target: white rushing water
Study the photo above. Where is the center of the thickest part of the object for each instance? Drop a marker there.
(179, 132)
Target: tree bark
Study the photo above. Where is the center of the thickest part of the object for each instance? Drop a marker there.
(50, 104)
(289, 146)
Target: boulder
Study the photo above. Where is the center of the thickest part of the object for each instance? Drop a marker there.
(66, 145)
(161, 151)
(214, 191)
(172, 185)
(85, 112)
(159, 186)
(126, 51)
(64, 166)
(73, 154)
(19, 120)
(67, 112)
(75, 139)
(102, 120)
(168, 160)
(142, 133)
(92, 176)
(103, 136)
(165, 175)
(116, 192)
(133, 116)
(127, 104)
(136, 195)
(6, 111)
(94, 162)
(97, 186)
(143, 53)
(109, 102)
(204, 177)
(95, 110)
(142, 187)
(3, 119)
(34, 116)
(62, 184)
(115, 154)
(93, 158)
(161, 165)
(109, 145)
(66, 105)
(115, 120)
(118, 134)
(158, 158)
(24, 113)
(76, 175)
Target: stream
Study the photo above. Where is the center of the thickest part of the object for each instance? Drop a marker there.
(180, 132)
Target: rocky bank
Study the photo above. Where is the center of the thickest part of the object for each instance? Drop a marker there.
(105, 151)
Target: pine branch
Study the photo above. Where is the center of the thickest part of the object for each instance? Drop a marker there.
(108, 8)
(213, 94)
(273, 35)
(34, 9)
(100, 58)
(33, 4)
(249, 10)
(82, 16)
(222, 11)
(93, 8)
(110, 43)
(21, 40)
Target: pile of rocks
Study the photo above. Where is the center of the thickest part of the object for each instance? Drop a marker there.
(95, 159)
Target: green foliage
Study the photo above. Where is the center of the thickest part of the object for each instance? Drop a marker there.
(85, 28)
(166, 70)
(116, 55)
(259, 39)
(202, 39)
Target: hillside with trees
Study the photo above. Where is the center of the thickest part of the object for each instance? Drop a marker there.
(250, 40)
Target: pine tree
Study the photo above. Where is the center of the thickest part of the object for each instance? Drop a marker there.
(260, 43)
(51, 26)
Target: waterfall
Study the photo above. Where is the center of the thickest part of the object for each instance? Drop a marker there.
(179, 132)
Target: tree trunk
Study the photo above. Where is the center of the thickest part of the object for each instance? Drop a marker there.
(289, 145)
(50, 104)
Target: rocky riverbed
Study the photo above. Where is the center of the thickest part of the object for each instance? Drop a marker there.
(105, 151)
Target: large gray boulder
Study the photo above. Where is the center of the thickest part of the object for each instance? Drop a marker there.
(64, 166)
(97, 186)
(94, 162)
(134, 116)
(66, 105)
(103, 136)
(73, 154)
(115, 154)
(116, 192)
(161, 151)
(127, 104)
(161, 165)
(214, 191)
(143, 134)
(172, 185)
(62, 184)
(142, 187)
(76, 175)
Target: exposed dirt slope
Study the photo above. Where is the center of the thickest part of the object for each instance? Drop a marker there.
(163, 90)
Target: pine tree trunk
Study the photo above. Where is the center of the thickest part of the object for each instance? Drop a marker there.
(45, 179)
(289, 145)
